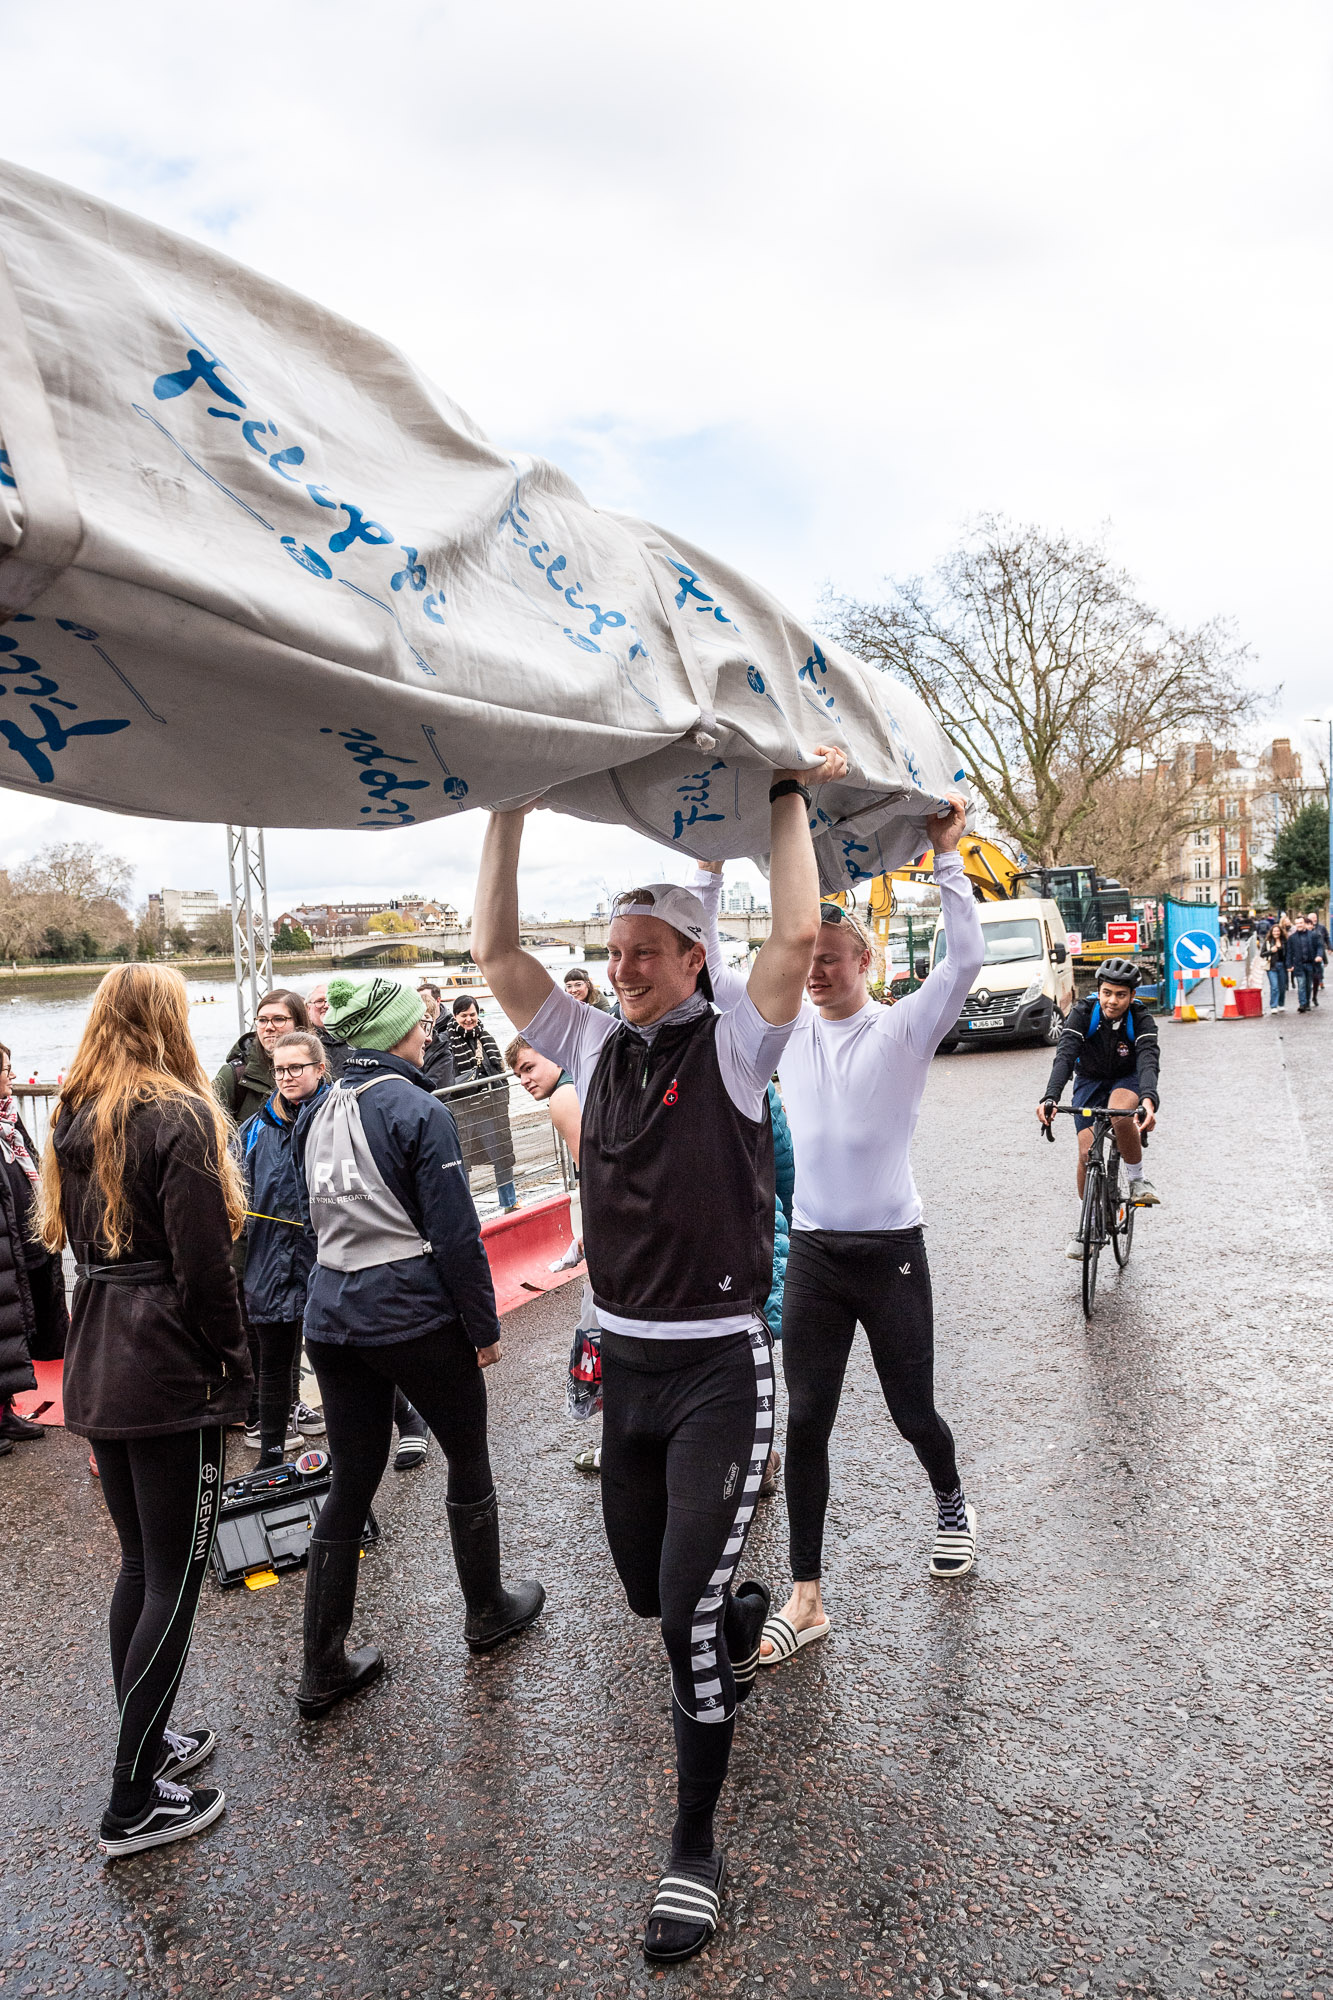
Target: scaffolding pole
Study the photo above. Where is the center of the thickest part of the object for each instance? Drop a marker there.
(251, 939)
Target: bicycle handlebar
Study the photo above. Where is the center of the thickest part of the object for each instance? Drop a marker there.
(1088, 1111)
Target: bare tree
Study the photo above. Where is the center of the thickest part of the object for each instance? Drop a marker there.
(82, 871)
(1053, 679)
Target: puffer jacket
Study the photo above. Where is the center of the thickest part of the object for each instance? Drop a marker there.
(18, 1321)
(280, 1250)
(245, 1082)
(150, 1360)
(413, 1143)
(784, 1153)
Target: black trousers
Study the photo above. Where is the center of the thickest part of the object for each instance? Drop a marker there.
(279, 1378)
(836, 1278)
(439, 1375)
(686, 1431)
(161, 1493)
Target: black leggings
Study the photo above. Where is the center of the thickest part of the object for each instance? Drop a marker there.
(834, 1279)
(279, 1377)
(161, 1493)
(438, 1372)
(686, 1430)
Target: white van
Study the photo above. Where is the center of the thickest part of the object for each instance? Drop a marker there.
(1025, 987)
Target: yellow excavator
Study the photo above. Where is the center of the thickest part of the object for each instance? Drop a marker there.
(1086, 900)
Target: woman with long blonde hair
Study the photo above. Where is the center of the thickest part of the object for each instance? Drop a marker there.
(138, 1179)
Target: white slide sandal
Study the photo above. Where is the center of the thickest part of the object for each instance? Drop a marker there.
(786, 1641)
(955, 1554)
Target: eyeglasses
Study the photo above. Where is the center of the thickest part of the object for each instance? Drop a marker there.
(833, 913)
(293, 1070)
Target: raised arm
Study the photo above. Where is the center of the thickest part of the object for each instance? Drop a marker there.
(519, 981)
(927, 1015)
(777, 978)
(728, 982)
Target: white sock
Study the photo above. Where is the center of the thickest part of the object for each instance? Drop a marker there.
(1134, 1168)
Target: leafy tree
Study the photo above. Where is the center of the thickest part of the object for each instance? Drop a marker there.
(179, 939)
(1299, 873)
(1052, 678)
(291, 938)
(390, 922)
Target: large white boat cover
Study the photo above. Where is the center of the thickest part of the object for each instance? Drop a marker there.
(255, 568)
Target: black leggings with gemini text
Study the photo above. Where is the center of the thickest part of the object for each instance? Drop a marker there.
(836, 1278)
(162, 1496)
(438, 1373)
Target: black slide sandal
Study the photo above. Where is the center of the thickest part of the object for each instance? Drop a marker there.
(686, 1909)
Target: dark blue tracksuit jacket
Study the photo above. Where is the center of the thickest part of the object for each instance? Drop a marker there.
(414, 1143)
(279, 1255)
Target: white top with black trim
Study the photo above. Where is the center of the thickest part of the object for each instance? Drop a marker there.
(852, 1089)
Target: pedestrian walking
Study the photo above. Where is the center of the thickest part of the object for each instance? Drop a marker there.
(1305, 952)
(1273, 950)
(280, 1250)
(676, 1166)
(482, 1109)
(853, 1076)
(400, 1298)
(139, 1180)
(33, 1319)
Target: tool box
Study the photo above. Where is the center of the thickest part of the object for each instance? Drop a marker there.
(266, 1521)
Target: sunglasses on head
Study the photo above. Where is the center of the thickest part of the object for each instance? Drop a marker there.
(833, 913)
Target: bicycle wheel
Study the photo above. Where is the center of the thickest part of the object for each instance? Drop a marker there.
(1092, 1229)
(1119, 1210)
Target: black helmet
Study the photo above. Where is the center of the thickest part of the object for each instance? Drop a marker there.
(1118, 972)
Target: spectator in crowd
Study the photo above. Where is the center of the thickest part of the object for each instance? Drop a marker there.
(244, 1084)
(333, 1045)
(579, 985)
(33, 1319)
(280, 1250)
(438, 1060)
(140, 1180)
(482, 1113)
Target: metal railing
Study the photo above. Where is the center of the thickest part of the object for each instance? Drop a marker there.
(498, 1121)
(35, 1101)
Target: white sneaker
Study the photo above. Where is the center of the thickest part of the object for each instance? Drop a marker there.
(1143, 1194)
(1074, 1249)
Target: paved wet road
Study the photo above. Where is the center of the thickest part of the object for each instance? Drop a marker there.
(1100, 1764)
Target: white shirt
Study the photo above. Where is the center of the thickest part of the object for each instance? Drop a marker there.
(852, 1089)
(568, 1032)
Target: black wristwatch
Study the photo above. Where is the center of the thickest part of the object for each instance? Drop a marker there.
(784, 787)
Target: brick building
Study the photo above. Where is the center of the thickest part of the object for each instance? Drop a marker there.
(1243, 802)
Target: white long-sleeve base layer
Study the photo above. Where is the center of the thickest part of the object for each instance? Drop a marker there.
(852, 1089)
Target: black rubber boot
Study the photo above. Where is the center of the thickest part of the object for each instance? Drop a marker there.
(331, 1673)
(493, 1612)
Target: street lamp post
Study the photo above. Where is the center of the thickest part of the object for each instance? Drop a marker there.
(1320, 718)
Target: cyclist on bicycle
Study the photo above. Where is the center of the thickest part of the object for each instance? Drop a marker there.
(1109, 1046)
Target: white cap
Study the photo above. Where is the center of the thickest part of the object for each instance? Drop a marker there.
(678, 907)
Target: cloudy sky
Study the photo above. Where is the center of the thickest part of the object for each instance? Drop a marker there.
(811, 286)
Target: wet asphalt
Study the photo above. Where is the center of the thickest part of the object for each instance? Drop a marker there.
(1099, 1765)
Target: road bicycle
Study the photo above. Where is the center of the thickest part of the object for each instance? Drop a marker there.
(1108, 1206)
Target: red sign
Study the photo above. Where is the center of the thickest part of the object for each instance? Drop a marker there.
(1125, 933)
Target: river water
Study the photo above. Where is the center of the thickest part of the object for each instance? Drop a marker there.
(43, 1028)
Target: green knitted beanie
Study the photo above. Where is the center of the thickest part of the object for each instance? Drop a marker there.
(373, 1014)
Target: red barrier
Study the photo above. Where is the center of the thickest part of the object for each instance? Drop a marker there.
(43, 1403)
(521, 1248)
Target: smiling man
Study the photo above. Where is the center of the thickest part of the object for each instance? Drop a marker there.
(852, 1079)
(676, 1160)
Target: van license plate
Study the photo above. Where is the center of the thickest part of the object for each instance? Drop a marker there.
(985, 1024)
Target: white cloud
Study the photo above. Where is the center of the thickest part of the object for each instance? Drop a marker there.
(811, 287)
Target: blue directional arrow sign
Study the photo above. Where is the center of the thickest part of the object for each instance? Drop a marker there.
(1196, 951)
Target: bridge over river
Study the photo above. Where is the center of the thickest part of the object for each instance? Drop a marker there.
(588, 935)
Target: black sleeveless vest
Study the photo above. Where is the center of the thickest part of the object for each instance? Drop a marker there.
(678, 1185)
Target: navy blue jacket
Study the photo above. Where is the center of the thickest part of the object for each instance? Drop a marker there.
(280, 1255)
(1303, 948)
(414, 1143)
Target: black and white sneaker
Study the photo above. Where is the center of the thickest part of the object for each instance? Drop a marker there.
(309, 1422)
(412, 1449)
(291, 1444)
(174, 1812)
(252, 1435)
(183, 1749)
